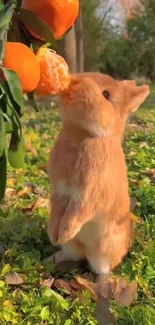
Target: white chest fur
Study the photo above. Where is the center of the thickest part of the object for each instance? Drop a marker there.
(71, 191)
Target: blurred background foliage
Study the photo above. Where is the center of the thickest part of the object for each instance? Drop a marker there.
(122, 51)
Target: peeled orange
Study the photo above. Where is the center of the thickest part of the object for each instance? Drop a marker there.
(19, 58)
(54, 73)
(59, 15)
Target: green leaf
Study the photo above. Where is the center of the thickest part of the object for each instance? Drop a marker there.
(14, 34)
(6, 269)
(6, 13)
(12, 106)
(7, 118)
(2, 133)
(16, 152)
(14, 84)
(1, 5)
(16, 124)
(3, 31)
(3, 175)
(2, 49)
(9, 128)
(68, 322)
(36, 24)
(3, 103)
(45, 313)
(54, 295)
(11, 110)
(2, 284)
(19, 3)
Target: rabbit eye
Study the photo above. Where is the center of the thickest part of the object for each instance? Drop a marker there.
(106, 94)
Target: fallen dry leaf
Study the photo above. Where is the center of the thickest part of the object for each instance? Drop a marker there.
(63, 285)
(80, 283)
(26, 191)
(34, 152)
(28, 208)
(120, 284)
(75, 285)
(136, 219)
(133, 153)
(41, 173)
(10, 192)
(149, 172)
(134, 127)
(125, 293)
(19, 171)
(46, 136)
(17, 293)
(48, 282)
(11, 181)
(31, 149)
(106, 288)
(39, 203)
(46, 275)
(144, 144)
(4, 207)
(13, 278)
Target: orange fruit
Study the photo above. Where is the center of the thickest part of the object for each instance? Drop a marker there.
(59, 15)
(19, 58)
(54, 73)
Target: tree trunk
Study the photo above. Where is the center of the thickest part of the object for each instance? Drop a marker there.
(79, 41)
(67, 49)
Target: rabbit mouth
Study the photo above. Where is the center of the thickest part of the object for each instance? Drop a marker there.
(69, 89)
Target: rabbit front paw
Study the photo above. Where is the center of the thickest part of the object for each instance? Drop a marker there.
(67, 231)
(53, 232)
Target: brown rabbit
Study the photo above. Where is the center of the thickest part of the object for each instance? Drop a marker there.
(90, 205)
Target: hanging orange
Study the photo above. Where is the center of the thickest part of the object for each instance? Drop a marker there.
(19, 58)
(59, 15)
(54, 73)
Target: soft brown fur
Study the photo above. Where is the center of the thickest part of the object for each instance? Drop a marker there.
(90, 205)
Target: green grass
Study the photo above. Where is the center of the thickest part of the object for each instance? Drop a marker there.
(24, 243)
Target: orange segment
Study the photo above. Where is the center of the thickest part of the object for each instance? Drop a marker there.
(54, 76)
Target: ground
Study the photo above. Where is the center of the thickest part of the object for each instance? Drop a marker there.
(24, 244)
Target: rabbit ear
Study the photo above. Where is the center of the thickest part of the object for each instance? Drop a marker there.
(131, 83)
(134, 96)
(137, 97)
